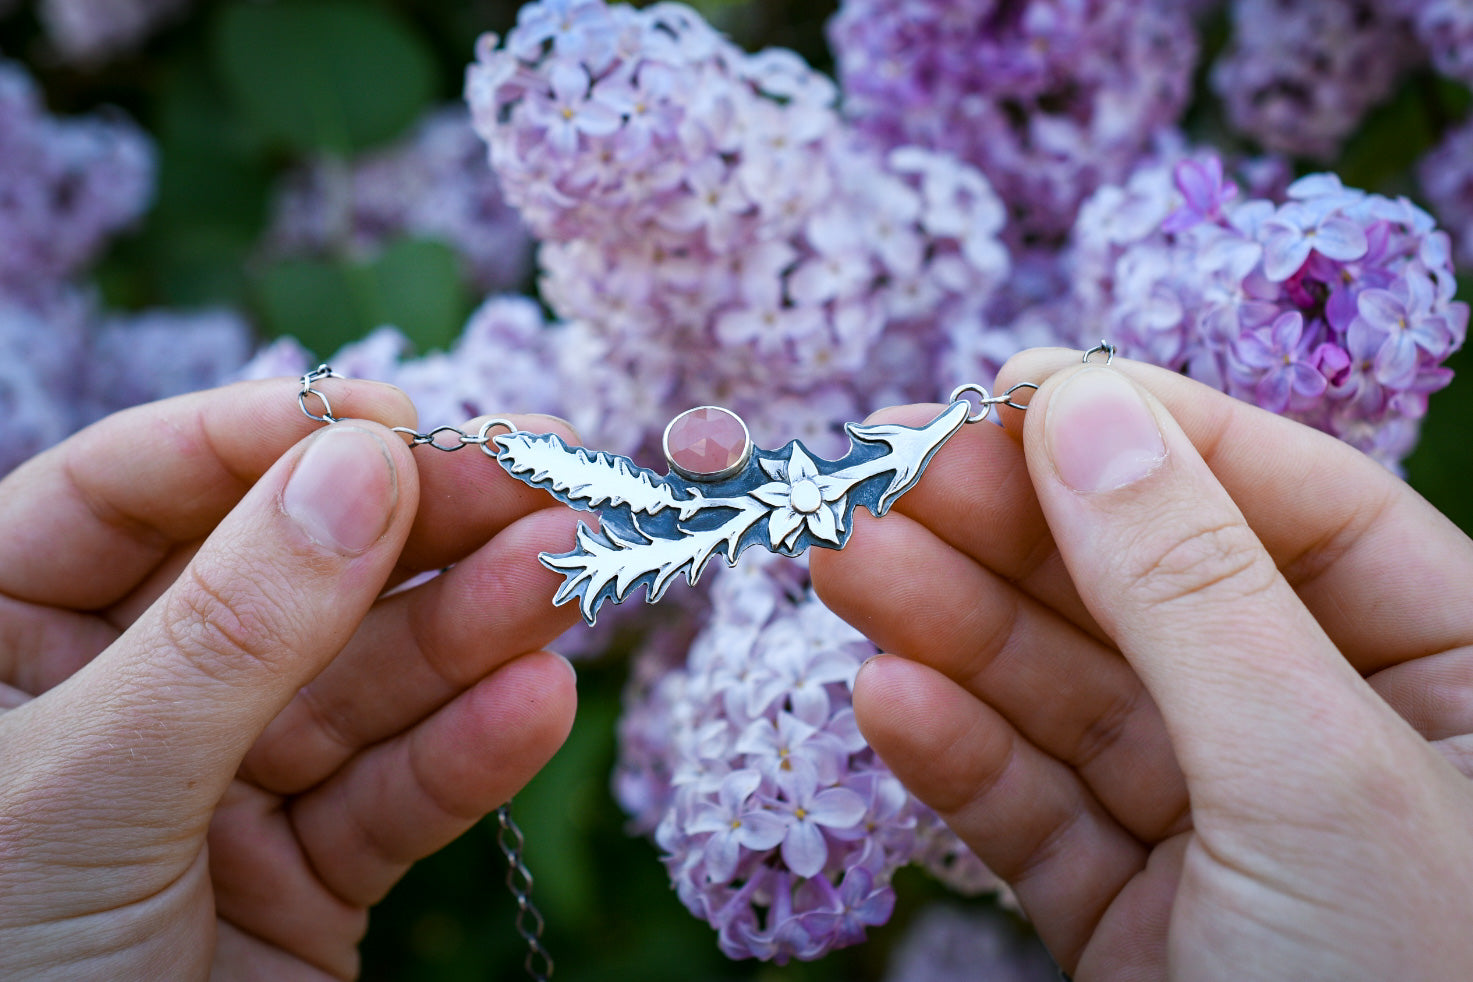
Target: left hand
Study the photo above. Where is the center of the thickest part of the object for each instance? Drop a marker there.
(220, 740)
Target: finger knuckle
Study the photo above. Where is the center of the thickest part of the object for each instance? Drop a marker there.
(227, 626)
(1224, 560)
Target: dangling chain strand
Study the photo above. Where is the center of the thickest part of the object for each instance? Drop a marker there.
(529, 923)
(509, 839)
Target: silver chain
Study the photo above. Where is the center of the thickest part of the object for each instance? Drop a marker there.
(509, 837)
(538, 962)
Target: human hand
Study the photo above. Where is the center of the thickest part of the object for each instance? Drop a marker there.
(1201, 690)
(219, 744)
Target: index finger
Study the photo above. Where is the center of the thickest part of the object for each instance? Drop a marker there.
(82, 524)
(1384, 573)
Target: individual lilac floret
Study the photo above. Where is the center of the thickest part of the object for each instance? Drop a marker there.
(778, 825)
(66, 186)
(1446, 176)
(435, 184)
(1049, 98)
(1334, 306)
(1298, 75)
(948, 943)
(89, 32)
(719, 234)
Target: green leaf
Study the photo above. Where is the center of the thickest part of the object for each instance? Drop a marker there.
(323, 74)
(413, 285)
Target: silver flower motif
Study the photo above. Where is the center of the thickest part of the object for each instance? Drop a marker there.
(800, 497)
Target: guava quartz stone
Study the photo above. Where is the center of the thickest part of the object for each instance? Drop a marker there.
(707, 443)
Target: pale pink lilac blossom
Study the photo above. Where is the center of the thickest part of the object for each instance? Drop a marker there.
(1446, 177)
(777, 823)
(727, 241)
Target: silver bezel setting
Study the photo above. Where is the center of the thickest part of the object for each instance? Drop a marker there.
(708, 476)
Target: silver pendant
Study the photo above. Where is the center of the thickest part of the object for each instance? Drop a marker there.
(720, 497)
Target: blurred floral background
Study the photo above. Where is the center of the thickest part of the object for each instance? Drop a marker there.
(802, 210)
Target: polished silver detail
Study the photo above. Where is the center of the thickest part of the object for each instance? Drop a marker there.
(1104, 347)
(654, 527)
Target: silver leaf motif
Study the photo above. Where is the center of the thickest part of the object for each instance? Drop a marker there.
(655, 527)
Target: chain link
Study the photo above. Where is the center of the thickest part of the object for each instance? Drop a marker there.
(538, 962)
(509, 837)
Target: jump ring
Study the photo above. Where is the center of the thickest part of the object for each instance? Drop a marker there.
(1104, 347)
(984, 398)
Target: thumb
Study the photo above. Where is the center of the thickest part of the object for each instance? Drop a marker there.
(1167, 565)
(267, 601)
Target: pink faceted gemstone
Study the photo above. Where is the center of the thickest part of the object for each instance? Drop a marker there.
(706, 441)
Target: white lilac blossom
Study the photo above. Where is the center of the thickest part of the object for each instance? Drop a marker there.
(1446, 176)
(66, 186)
(89, 32)
(435, 183)
(1049, 98)
(1298, 75)
(777, 823)
(1333, 306)
(708, 219)
(949, 943)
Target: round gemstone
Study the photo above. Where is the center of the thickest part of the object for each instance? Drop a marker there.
(805, 498)
(707, 443)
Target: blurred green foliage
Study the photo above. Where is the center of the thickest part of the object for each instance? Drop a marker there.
(240, 91)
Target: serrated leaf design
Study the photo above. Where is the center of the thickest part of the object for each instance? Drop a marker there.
(589, 478)
(599, 568)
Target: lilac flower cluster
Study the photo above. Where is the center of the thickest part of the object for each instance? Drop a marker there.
(1446, 176)
(93, 31)
(1333, 307)
(708, 217)
(777, 823)
(435, 183)
(504, 361)
(1298, 75)
(1445, 29)
(948, 943)
(1049, 98)
(66, 186)
(63, 365)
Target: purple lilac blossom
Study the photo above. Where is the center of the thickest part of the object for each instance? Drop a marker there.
(949, 943)
(1333, 306)
(138, 358)
(65, 366)
(435, 183)
(1445, 29)
(1298, 75)
(1049, 98)
(66, 186)
(709, 221)
(89, 32)
(777, 823)
(1446, 176)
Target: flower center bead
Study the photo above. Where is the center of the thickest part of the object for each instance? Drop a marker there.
(805, 498)
(707, 444)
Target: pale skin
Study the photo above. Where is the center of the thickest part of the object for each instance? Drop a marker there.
(219, 744)
(1195, 680)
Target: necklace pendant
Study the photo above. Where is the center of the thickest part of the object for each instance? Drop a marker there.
(721, 496)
